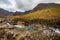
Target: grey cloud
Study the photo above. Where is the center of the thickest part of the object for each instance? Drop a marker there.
(23, 5)
(4, 2)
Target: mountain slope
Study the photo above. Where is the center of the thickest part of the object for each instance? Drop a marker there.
(44, 6)
(48, 13)
(51, 11)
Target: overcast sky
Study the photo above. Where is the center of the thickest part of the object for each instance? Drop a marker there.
(23, 5)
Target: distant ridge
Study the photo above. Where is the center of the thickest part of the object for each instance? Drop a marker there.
(4, 12)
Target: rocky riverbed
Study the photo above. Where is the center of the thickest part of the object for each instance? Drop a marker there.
(34, 31)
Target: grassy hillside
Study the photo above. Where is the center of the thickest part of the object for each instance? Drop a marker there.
(49, 13)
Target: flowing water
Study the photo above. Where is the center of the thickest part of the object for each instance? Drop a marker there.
(56, 30)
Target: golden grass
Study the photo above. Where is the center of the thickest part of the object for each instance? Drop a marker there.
(49, 13)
